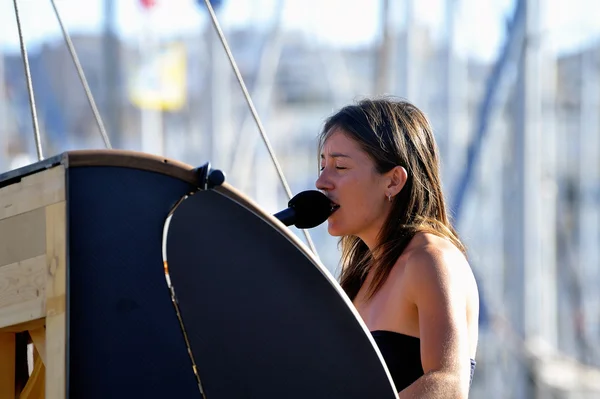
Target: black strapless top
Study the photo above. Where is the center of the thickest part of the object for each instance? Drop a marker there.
(402, 355)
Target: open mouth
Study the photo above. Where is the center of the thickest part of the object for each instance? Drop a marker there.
(334, 207)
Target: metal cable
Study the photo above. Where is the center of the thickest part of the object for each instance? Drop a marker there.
(266, 140)
(82, 77)
(25, 58)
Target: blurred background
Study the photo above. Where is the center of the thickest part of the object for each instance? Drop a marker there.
(512, 88)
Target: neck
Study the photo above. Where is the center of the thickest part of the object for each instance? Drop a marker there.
(370, 241)
(371, 236)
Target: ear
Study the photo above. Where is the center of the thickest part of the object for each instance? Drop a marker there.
(397, 179)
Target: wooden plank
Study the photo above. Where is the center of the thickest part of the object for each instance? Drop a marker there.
(7, 366)
(38, 336)
(56, 284)
(10, 176)
(28, 325)
(34, 389)
(23, 236)
(23, 292)
(34, 191)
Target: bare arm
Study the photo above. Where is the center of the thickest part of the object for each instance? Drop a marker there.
(439, 289)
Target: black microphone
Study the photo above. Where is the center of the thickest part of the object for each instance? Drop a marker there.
(306, 210)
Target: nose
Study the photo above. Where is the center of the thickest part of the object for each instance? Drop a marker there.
(323, 182)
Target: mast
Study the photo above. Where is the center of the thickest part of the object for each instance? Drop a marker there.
(407, 81)
(4, 156)
(152, 134)
(589, 178)
(111, 69)
(384, 81)
(454, 131)
(533, 280)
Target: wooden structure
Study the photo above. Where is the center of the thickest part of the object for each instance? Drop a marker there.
(250, 313)
(100, 212)
(33, 279)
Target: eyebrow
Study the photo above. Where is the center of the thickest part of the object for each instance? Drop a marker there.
(336, 155)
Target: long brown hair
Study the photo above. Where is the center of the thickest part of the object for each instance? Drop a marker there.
(393, 133)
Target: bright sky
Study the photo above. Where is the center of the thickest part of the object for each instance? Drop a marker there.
(480, 23)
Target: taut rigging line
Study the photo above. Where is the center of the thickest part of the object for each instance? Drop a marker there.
(259, 124)
(98, 118)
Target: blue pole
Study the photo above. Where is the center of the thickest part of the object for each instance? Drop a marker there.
(512, 48)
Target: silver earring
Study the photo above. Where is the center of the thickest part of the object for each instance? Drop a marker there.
(390, 197)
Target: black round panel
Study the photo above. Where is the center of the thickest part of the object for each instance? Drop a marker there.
(124, 338)
(263, 319)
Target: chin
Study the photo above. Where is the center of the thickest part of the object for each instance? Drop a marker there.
(335, 230)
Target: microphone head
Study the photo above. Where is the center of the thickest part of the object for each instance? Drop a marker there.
(311, 208)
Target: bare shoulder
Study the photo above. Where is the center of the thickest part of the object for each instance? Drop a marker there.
(440, 284)
(433, 262)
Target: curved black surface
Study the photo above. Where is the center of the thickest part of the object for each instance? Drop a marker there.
(262, 320)
(125, 340)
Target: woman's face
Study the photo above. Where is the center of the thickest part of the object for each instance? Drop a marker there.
(349, 178)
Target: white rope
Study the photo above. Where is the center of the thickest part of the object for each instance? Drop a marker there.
(25, 58)
(82, 78)
(261, 129)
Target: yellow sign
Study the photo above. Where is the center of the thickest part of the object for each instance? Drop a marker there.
(160, 82)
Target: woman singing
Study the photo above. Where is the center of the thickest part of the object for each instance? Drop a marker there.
(403, 265)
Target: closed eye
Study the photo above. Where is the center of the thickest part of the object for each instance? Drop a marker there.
(337, 167)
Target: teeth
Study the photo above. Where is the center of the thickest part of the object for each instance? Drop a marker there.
(334, 206)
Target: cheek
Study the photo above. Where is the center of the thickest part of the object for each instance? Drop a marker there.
(364, 199)
(362, 204)
(366, 193)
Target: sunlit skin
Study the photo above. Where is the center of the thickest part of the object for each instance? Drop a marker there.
(430, 293)
(349, 178)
